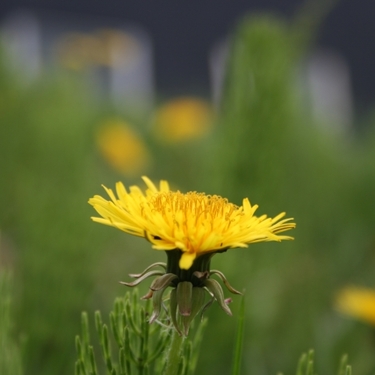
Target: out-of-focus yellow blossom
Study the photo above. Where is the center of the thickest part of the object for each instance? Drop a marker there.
(183, 119)
(78, 51)
(122, 147)
(358, 303)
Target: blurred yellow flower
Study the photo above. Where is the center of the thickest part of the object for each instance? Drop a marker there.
(358, 303)
(79, 51)
(194, 223)
(183, 119)
(122, 147)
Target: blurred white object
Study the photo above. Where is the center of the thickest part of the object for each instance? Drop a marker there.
(21, 37)
(116, 59)
(217, 62)
(131, 78)
(329, 90)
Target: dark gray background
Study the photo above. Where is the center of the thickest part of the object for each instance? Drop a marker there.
(183, 32)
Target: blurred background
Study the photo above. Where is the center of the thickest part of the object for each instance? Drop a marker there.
(268, 100)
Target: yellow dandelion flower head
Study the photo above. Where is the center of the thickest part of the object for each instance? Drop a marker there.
(194, 223)
(358, 303)
(183, 119)
(122, 147)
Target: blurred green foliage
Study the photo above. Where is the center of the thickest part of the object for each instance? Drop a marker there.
(10, 348)
(47, 169)
(266, 146)
(269, 148)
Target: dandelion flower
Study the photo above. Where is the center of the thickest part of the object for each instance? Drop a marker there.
(358, 303)
(191, 228)
(183, 119)
(194, 223)
(122, 147)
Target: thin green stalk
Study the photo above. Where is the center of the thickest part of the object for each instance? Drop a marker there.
(236, 367)
(173, 355)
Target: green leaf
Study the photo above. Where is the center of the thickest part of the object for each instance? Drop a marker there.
(343, 365)
(237, 357)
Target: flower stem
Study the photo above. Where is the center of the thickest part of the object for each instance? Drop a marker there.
(173, 355)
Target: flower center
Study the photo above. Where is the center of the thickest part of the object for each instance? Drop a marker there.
(192, 204)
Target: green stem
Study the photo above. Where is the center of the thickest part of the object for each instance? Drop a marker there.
(173, 355)
(236, 368)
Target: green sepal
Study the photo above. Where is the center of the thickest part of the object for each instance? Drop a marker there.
(163, 281)
(143, 277)
(207, 305)
(215, 289)
(197, 302)
(157, 264)
(173, 310)
(157, 301)
(225, 281)
(184, 297)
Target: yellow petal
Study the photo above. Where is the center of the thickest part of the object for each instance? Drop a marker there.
(149, 184)
(187, 260)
